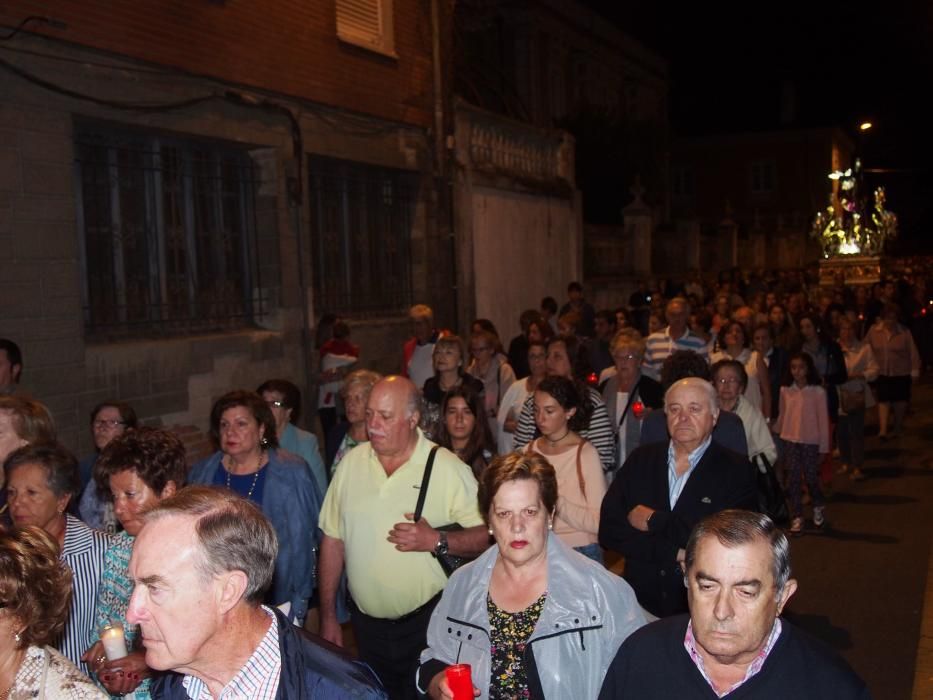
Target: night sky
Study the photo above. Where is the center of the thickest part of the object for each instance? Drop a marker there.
(841, 63)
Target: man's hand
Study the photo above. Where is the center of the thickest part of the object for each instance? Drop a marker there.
(331, 630)
(638, 517)
(413, 536)
(439, 689)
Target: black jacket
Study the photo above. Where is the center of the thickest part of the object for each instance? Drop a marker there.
(309, 670)
(721, 480)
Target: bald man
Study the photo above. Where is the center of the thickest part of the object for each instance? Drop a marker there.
(366, 518)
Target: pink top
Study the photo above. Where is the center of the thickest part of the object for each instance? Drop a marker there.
(804, 416)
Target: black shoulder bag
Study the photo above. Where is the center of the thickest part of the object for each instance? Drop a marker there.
(449, 562)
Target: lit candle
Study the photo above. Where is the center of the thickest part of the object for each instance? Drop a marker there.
(111, 636)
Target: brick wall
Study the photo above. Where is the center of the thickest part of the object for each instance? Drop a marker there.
(284, 46)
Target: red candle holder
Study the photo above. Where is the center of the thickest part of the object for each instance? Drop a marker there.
(460, 681)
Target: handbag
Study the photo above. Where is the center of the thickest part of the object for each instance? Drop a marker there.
(771, 499)
(852, 401)
(449, 562)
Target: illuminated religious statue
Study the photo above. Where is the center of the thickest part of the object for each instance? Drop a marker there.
(845, 227)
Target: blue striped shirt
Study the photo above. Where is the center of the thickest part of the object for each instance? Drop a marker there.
(259, 677)
(659, 346)
(84, 552)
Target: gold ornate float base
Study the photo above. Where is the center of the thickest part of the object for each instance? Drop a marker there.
(850, 269)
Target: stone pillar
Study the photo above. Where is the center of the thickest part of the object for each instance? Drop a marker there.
(638, 228)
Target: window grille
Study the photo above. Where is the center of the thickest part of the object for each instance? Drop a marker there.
(167, 235)
(361, 220)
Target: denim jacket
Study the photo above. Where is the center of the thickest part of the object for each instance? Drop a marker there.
(292, 501)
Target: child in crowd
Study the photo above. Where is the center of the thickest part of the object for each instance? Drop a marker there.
(803, 424)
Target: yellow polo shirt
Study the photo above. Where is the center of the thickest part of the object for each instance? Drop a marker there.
(361, 506)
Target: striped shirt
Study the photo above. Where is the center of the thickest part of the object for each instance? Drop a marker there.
(753, 668)
(598, 432)
(259, 677)
(659, 346)
(84, 552)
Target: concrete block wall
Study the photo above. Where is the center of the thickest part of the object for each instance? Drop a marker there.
(170, 381)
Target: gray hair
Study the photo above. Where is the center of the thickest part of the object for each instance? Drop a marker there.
(232, 532)
(364, 378)
(700, 384)
(734, 528)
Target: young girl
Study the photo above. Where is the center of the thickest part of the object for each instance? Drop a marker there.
(803, 424)
(461, 433)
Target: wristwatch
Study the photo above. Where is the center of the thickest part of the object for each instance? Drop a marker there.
(440, 549)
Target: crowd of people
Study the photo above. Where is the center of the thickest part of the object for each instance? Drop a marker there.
(461, 511)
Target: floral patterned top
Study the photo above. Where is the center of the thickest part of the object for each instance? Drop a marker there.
(508, 633)
(47, 674)
(113, 598)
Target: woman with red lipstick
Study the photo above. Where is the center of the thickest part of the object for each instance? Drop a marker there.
(530, 616)
(559, 412)
(280, 483)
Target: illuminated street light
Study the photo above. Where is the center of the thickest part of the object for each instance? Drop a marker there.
(864, 126)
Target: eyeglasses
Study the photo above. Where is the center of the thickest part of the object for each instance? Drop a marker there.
(109, 424)
(625, 357)
(727, 380)
(276, 404)
(476, 350)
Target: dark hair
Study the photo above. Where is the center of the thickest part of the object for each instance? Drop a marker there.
(567, 393)
(813, 377)
(764, 327)
(291, 395)
(814, 319)
(721, 338)
(579, 360)
(157, 456)
(61, 467)
(625, 312)
(681, 364)
(516, 466)
(543, 327)
(734, 528)
(480, 439)
(704, 319)
(574, 287)
(127, 414)
(13, 354)
(549, 304)
(35, 584)
(528, 316)
(607, 316)
(734, 365)
(257, 407)
(486, 325)
(232, 532)
(340, 330)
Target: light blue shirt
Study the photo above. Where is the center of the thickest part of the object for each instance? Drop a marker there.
(676, 482)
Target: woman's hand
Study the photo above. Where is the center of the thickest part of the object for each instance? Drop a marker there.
(122, 676)
(94, 657)
(510, 424)
(439, 689)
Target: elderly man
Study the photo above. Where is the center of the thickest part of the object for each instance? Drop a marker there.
(677, 336)
(733, 644)
(665, 488)
(198, 606)
(366, 518)
(11, 366)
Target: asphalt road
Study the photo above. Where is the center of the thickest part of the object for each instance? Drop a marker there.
(862, 579)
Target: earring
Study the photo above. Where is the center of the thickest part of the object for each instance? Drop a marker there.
(17, 637)
(263, 441)
(550, 524)
(490, 532)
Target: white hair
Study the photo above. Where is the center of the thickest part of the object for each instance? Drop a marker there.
(699, 384)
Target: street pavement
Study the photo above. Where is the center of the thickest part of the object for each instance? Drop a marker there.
(862, 579)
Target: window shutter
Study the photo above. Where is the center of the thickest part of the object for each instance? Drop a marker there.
(360, 22)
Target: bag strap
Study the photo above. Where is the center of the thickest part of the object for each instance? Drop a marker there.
(423, 492)
(628, 405)
(580, 479)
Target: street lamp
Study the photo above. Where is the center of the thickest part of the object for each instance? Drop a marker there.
(865, 126)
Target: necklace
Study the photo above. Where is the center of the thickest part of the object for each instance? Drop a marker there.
(553, 443)
(248, 493)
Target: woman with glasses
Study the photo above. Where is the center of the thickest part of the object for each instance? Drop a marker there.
(492, 368)
(729, 378)
(284, 400)
(280, 483)
(109, 420)
(629, 394)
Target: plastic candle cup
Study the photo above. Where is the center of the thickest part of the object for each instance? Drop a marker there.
(111, 636)
(460, 681)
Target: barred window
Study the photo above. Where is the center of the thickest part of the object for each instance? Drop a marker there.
(167, 231)
(361, 218)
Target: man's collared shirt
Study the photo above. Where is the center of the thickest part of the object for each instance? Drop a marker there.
(259, 677)
(753, 668)
(675, 481)
(363, 504)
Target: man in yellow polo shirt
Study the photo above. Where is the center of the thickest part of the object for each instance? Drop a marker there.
(367, 523)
